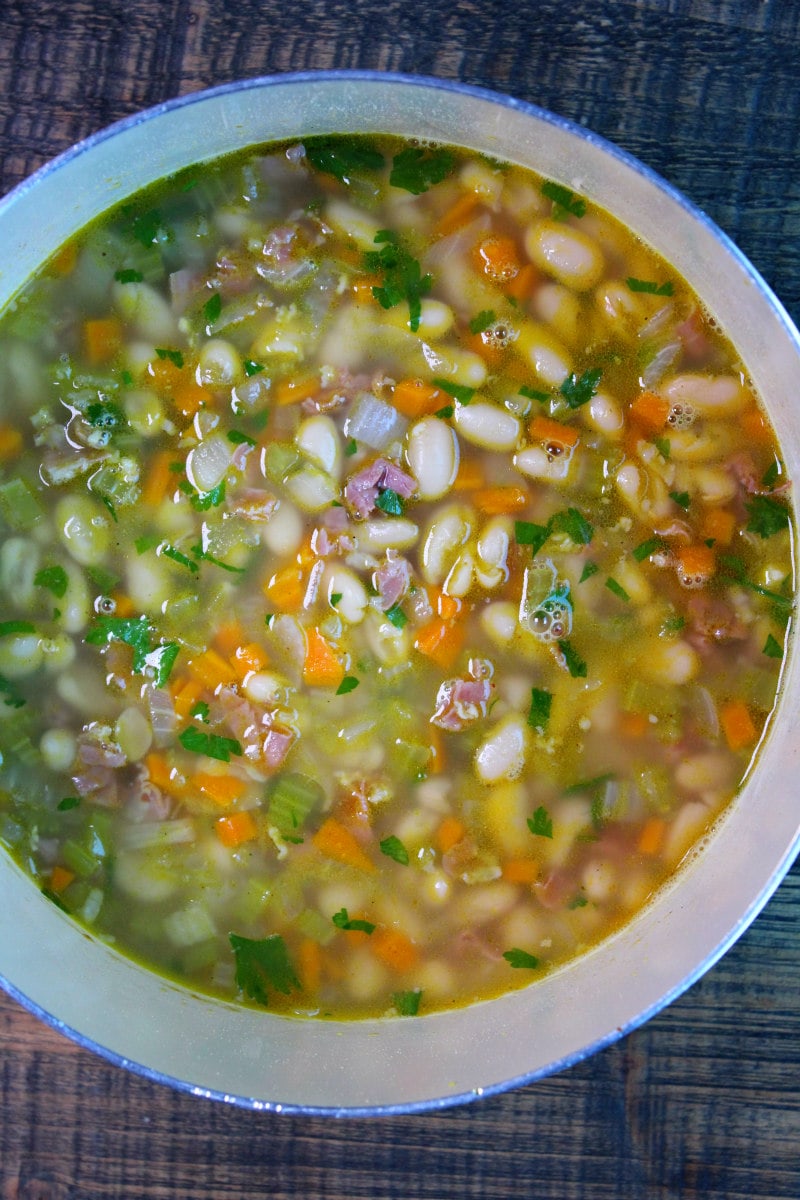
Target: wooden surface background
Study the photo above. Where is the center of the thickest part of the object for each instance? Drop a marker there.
(704, 1101)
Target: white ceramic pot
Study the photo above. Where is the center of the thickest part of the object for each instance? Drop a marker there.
(255, 1058)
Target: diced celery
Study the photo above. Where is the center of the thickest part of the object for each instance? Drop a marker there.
(292, 798)
(313, 925)
(410, 758)
(279, 460)
(19, 505)
(653, 783)
(79, 858)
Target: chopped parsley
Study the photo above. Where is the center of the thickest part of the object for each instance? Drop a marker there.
(10, 694)
(527, 533)
(212, 308)
(539, 712)
(645, 549)
(173, 356)
(682, 499)
(342, 921)
(162, 660)
(67, 803)
(147, 228)
(351, 447)
(200, 710)
(568, 521)
(392, 847)
(9, 627)
(650, 286)
(407, 1003)
(521, 958)
(532, 394)
(261, 965)
(343, 158)
(565, 202)
(540, 824)
(334, 598)
(482, 321)
(389, 502)
(445, 412)
(202, 501)
(181, 559)
(128, 275)
(578, 902)
(213, 745)
(672, 625)
(251, 367)
(663, 446)
(237, 438)
(578, 390)
(54, 579)
(348, 684)
(415, 170)
(572, 660)
(617, 589)
(458, 391)
(147, 542)
(589, 569)
(104, 415)
(772, 647)
(771, 475)
(133, 631)
(397, 617)
(402, 276)
(767, 516)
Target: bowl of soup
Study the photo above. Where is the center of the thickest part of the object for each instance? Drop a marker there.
(397, 577)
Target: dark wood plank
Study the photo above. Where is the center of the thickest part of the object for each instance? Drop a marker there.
(703, 1101)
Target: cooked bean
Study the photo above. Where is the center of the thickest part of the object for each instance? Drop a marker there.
(433, 456)
(84, 528)
(488, 426)
(449, 530)
(502, 754)
(566, 253)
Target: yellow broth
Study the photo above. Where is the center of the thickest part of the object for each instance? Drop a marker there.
(396, 572)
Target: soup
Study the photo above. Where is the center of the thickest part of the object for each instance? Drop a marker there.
(397, 569)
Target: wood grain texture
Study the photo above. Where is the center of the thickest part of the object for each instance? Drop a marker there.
(703, 1101)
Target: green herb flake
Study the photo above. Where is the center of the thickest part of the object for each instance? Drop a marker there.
(237, 438)
(348, 684)
(407, 1003)
(682, 499)
(533, 394)
(565, 200)
(54, 579)
(393, 848)
(540, 824)
(539, 712)
(173, 356)
(127, 378)
(147, 227)
(771, 475)
(148, 541)
(574, 525)
(389, 502)
(67, 803)
(109, 505)
(578, 390)
(572, 660)
(397, 617)
(9, 627)
(526, 533)
(10, 694)
(162, 660)
(767, 516)
(482, 321)
(458, 391)
(650, 286)
(521, 958)
(588, 785)
(210, 744)
(251, 367)
(589, 569)
(663, 446)
(128, 275)
(342, 921)
(351, 447)
(577, 902)
(182, 559)
(343, 158)
(212, 308)
(334, 598)
(416, 170)
(133, 631)
(261, 965)
(201, 711)
(617, 589)
(402, 276)
(772, 647)
(444, 413)
(645, 549)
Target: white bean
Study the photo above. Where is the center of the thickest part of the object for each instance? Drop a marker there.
(133, 733)
(617, 303)
(709, 395)
(506, 810)
(75, 605)
(142, 307)
(559, 307)
(311, 489)
(714, 441)
(208, 464)
(460, 576)
(566, 253)
(283, 533)
(145, 412)
(599, 880)
(486, 902)
(673, 662)
(149, 584)
(456, 365)
(535, 462)
(58, 747)
(604, 414)
(84, 529)
(341, 582)
(494, 542)
(704, 772)
(58, 652)
(358, 224)
(478, 177)
(19, 562)
(219, 364)
(501, 755)
(689, 824)
(447, 533)
(433, 456)
(435, 318)
(488, 425)
(499, 621)
(388, 533)
(550, 360)
(318, 440)
(20, 654)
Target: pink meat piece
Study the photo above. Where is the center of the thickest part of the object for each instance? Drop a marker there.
(697, 347)
(146, 802)
(461, 702)
(98, 784)
(712, 622)
(277, 745)
(470, 940)
(184, 285)
(362, 489)
(234, 276)
(253, 504)
(263, 741)
(392, 579)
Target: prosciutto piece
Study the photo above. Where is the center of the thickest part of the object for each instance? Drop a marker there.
(362, 489)
(461, 702)
(392, 580)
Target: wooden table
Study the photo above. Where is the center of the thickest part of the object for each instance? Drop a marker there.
(704, 1101)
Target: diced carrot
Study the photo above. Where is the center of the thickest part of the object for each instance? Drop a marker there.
(10, 442)
(102, 338)
(306, 554)
(441, 641)
(495, 501)
(632, 724)
(335, 841)
(248, 658)
(719, 524)
(696, 561)
(649, 411)
(229, 637)
(737, 725)
(60, 879)
(753, 425)
(496, 256)
(448, 607)
(65, 261)
(212, 670)
(458, 214)
(491, 353)
(124, 605)
(158, 478)
(189, 397)
(394, 949)
(362, 287)
(236, 829)
(545, 430)
(322, 666)
(521, 870)
(521, 286)
(309, 965)
(293, 391)
(416, 398)
(164, 375)
(187, 695)
(652, 835)
(222, 789)
(286, 589)
(449, 834)
(438, 760)
(168, 778)
(469, 477)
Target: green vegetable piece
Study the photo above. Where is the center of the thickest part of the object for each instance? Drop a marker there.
(539, 712)
(771, 475)
(148, 541)
(19, 505)
(521, 958)
(650, 286)
(444, 413)
(574, 525)
(237, 438)
(54, 579)
(458, 391)
(572, 660)
(133, 631)
(334, 598)
(416, 170)
(9, 627)
(529, 534)
(663, 445)
(261, 965)
(645, 549)
(210, 744)
(482, 321)
(343, 158)
(533, 394)
(682, 499)
(589, 569)
(104, 415)
(617, 589)
(67, 803)
(147, 228)
(200, 710)
(162, 660)
(212, 308)
(251, 367)
(402, 276)
(565, 200)
(390, 503)
(348, 684)
(578, 390)
(407, 1003)
(577, 902)
(772, 647)
(767, 515)
(397, 617)
(540, 824)
(11, 695)
(293, 796)
(128, 275)
(342, 921)
(351, 447)
(181, 559)
(393, 848)
(173, 356)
